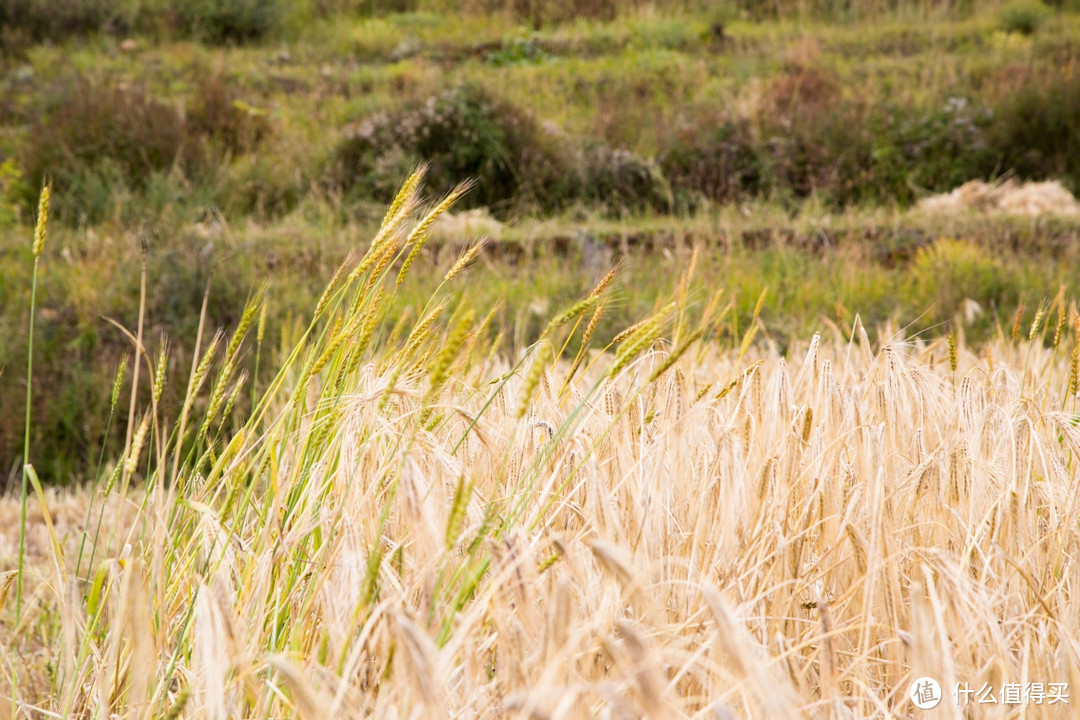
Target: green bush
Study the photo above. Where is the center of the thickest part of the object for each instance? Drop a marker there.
(24, 23)
(367, 8)
(217, 112)
(714, 159)
(536, 12)
(622, 182)
(935, 150)
(462, 133)
(102, 144)
(517, 165)
(98, 137)
(807, 140)
(849, 10)
(1023, 16)
(230, 20)
(51, 19)
(1036, 133)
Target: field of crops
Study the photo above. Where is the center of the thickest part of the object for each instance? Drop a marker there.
(410, 523)
(539, 359)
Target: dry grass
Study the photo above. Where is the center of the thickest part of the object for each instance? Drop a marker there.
(742, 536)
(1032, 199)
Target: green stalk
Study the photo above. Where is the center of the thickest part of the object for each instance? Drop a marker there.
(26, 453)
(39, 245)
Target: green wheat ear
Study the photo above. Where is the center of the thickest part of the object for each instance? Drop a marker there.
(544, 354)
(455, 521)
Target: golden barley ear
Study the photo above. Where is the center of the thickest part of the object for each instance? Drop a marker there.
(465, 260)
(407, 193)
(418, 236)
(42, 226)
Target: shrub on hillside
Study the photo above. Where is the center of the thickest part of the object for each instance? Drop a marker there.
(100, 143)
(327, 8)
(540, 12)
(714, 159)
(462, 133)
(217, 112)
(229, 20)
(26, 22)
(842, 150)
(1036, 133)
(104, 131)
(1023, 16)
(847, 10)
(808, 129)
(622, 182)
(948, 146)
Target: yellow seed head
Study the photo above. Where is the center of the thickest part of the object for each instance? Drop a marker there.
(233, 395)
(407, 194)
(390, 383)
(136, 446)
(118, 381)
(543, 353)
(261, 329)
(113, 477)
(808, 424)
(418, 236)
(42, 220)
(727, 388)
(242, 328)
(456, 520)
(643, 338)
(1036, 324)
(467, 258)
(387, 235)
(423, 328)
(204, 364)
(639, 325)
(594, 321)
(679, 351)
(604, 282)
(578, 308)
(324, 300)
(703, 392)
(440, 370)
(159, 372)
(1060, 326)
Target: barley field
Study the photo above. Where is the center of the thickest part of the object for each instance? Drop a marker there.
(410, 523)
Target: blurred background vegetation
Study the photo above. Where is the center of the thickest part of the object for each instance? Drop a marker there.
(227, 142)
